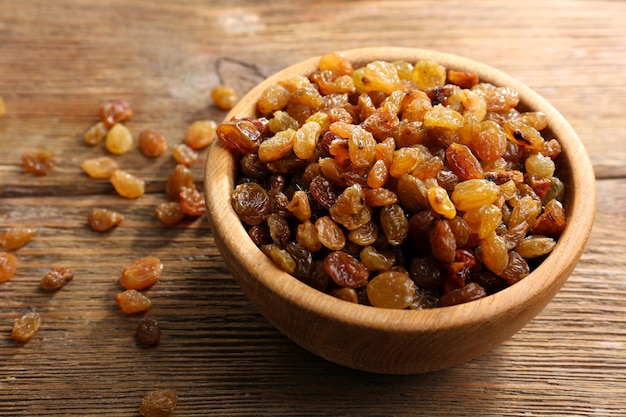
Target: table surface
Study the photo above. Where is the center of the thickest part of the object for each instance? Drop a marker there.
(59, 60)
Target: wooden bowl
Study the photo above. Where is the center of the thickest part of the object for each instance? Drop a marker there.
(399, 341)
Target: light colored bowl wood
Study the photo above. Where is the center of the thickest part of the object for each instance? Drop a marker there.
(400, 341)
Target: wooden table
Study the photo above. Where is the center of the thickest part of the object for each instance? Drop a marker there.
(59, 60)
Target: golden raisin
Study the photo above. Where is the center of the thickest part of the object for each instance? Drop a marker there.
(184, 155)
(200, 134)
(141, 273)
(224, 97)
(115, 111)
(127, 185)
(16, 237)
(179, 178)
(151, 143)
(102, 220)
(158, 403)
(101, 167)
(391, 289)
(192, 202)
(95, 134)
(169, 213)
(38, 161)
(132, 302)
(8, 265)
(25, 327)
(119, 140)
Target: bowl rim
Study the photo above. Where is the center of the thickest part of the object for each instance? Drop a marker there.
(581, 208)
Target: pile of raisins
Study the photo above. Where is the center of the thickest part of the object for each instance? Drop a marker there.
(397, 185)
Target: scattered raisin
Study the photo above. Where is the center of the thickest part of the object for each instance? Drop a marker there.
(100, 167)
(148, 332)
(132, 301)
(25, 327)
(183, 154)
(224, 97)
(192, 202)
(127, 185)
(8, 265)
(151, 143)
(141, 273)
(102, 220)
(38, 161)
(200, 134)
(16, 237)
(56, 278)
(119, 140)
(115, 111)
(169, 213)
(158, 403)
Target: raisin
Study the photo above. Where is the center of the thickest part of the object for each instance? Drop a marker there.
(516, 269)
(179, 178)
(252, 167)
(132, 302)
(474, 193)
(275, 97)
(16, 237)
(8, 265)
(95, 134)
(158, 403)
(375, 260)
(345, 270)
(442, 241)
(151, 143)
(346, 294)
(440, 202)
(148, 332)
(119, 140)
(127, 185)
(38, 161)
(201, 134)
(426, 272)
(279, 229)
(192, 202)
(303, 259)
(280, 257)
(240, 134)
(552, 221)
(462, 78)
(534, 246)
(394, 224)
(391, 290)
(141, 273)
(471, 291)
(102, 220)
(169, 213)
(100, 167)
(329, 233)
(25, 327)
(323, 191)
(251, 203)
(115, 111)
(463, 163)
(56, 279)
(307, 236)
(428, 74)
(224, 97)
(494, 253)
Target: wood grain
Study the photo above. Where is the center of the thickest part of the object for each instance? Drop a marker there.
(59, 60)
